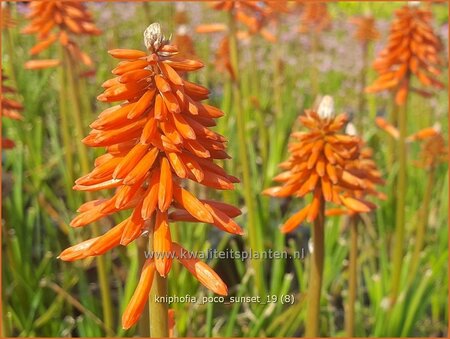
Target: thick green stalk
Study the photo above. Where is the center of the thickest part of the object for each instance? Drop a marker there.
(352, 277)
(370, 75)
(11, 53)
(249, 196)
(65, 129)
(84, 163)
(316, 274)
(314, 73)
(393, 120)
(278, 106)
(362, 96)
(400, 204)
(421, 225)
(148, 12)
(259, 115)
(158, 310)
(278, 84)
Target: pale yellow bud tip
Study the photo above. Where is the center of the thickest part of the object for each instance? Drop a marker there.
(414, 4)
(351, 129)
(326, 108)
(153, 37)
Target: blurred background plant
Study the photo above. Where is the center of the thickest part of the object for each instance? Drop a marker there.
(46, 297)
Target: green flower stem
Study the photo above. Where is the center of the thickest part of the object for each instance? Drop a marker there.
(313, 69)
(400, 205)
(148, 12)
(362, 83)
(65, 131)
(352, 277)
(422, 225)
(316, 274)
(84, 163)
(263, 138)
(11, 53)
(158, 311)
(249, 196)
(391, 144)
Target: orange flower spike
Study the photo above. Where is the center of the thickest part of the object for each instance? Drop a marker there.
(6, 20)
(433, 147)
(413, 49)
(318, 164)
(365, 29)
(53, 22)
(182, 39)
(140, 296)
(254, 15)
(156, 137)
(314, 17)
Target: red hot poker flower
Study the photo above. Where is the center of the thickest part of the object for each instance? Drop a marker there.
(319, 163)
(6, 19)
(158, 136)
(365, 29)
(413, 49)
(57, 21)
(314, 17)
(254, 15)
(433, 151)
(182, 39)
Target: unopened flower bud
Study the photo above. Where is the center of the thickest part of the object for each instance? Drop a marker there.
(153, 37)
(350, 129)
(414, 4)
(326, 108)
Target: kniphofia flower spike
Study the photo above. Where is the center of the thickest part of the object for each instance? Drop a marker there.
(57, 22)
(7, 20)
(254, 15)
(366, 30)
(412, 50)
(433, 151)
(433, 146)
(182, 38)
(158, 136)
(314, 17)
(320, 163)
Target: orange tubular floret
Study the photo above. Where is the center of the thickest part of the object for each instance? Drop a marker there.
(200, 270)
(140, 296)
(127, 53)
